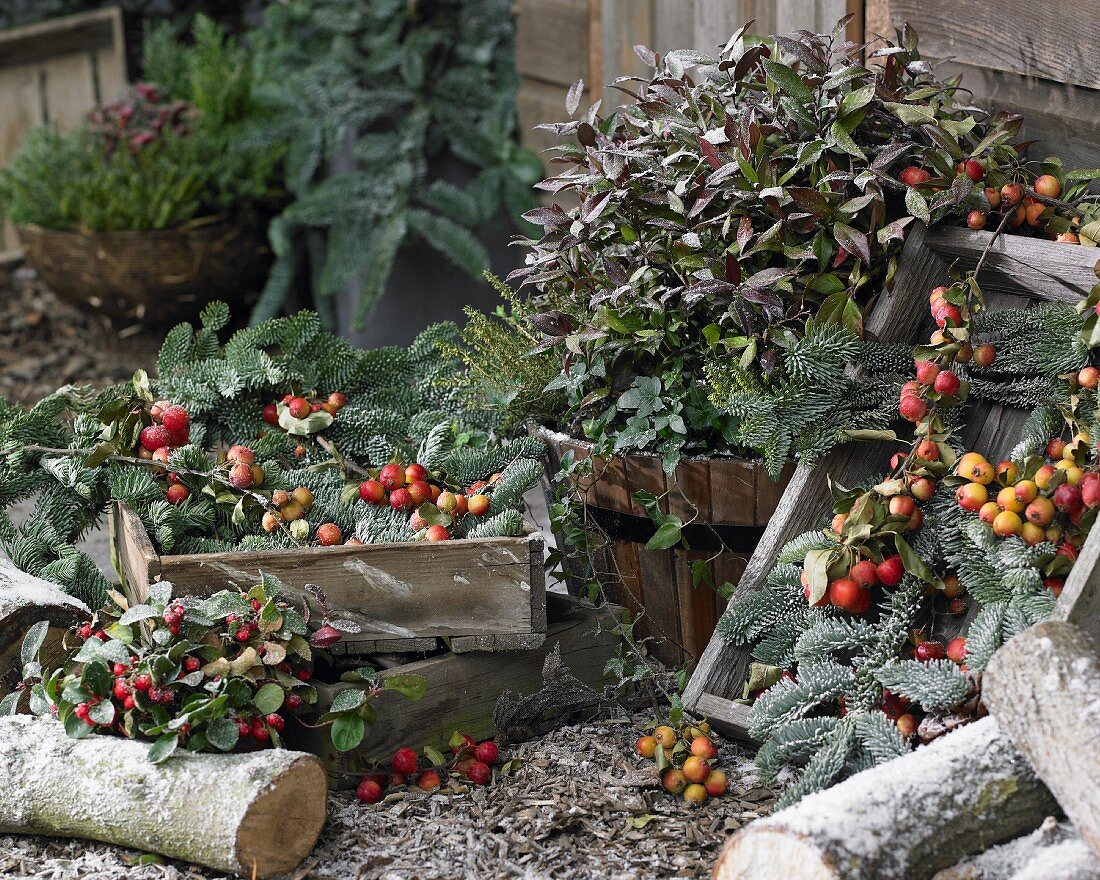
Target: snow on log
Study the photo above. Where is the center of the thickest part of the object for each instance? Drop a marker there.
(1055, 849)
(25, 600)
(1044, 688)
(257, 812)
(902, 820)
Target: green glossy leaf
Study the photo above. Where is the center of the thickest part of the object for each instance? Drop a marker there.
(411, 686)
(269, 698)
(348, 731)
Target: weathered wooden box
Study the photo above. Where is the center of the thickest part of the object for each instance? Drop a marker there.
(463, 690)
(482, 594)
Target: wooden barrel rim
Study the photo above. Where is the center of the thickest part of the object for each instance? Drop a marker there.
(725, 490)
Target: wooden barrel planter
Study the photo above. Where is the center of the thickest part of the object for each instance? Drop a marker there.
(735, 498)
(159, 276)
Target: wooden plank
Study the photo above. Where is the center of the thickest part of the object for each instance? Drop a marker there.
(1080, 599)
(769, 492)
(697, 609)
(72, 33)
(537, 103)
(552, 40)
(70, 89)
(660, 599)
(1020, 265)
(463, 690)
(508, 642)
(732, 491)
(476, 587)
(1058, 43)
(727, 717)
(136, 561)
(690, 494)
(356, 645)
(645, 474)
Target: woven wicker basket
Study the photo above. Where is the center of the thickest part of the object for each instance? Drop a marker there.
(161, 276)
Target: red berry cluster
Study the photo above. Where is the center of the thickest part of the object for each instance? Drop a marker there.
(170, 428)
(407, 488)
(142, 115)
(302, 406)
(685, 758)
(1023, 206)
(470, 760)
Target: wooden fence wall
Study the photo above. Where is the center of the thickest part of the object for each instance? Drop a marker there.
(1039, 60)
(53, 73)
(561, 41)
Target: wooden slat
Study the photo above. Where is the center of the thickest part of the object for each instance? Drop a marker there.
(645, 474)
(661, 601)
(463, 690)
(1020, 265)
(72, 33)
(552, 40)
(132, 552)
(697, 610)
(1057, 42)
(733, 491)
(691, 495)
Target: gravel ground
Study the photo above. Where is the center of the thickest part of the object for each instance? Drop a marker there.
(582, 806)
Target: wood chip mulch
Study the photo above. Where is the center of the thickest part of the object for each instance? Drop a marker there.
(584, 805)
(46, 343)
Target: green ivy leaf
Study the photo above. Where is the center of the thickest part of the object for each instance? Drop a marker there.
(163, 748)
(347, 700)
(667, 535)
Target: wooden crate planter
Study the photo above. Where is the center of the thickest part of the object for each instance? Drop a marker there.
(481, 594)
(1017, 272)
(736, 497)
(463, 690)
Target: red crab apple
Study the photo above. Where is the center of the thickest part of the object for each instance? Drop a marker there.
(914, 176)
(154, 437)
(890, 571)
(271, 414)
(240, 453)
(912, 408)
(1012, 194)
(704, 747)
(405, 760)
(976, 219)
(956, 649)
(416, 472)
(646, 746)
(372, 491)
(419, 491)
(299, 407)
(479, 773)
(487, 752)
(1088, 377)
(973, 169)
(695, 793)
(946, 383)
(479, 505)
(240, 476)
(845, 593)
(984, 355)
(666, 736)
(674, 780)
(1068, 498)
(178, 493)
(428, 780)
(369, 792)
(1047, 185)
(328, 534)
(927, 651)
(864, 573)
(176, 419)
(392, 476)
(437, 533)
(927, 371)
(400, 499)
(907, 724)
(716, 783)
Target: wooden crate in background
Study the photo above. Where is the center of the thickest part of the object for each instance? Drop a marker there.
(53, 73)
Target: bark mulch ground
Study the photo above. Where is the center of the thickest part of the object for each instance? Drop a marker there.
(582, 806)
(46, 343)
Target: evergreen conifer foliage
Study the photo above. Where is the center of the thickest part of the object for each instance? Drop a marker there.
(393, 87)
(77, 451)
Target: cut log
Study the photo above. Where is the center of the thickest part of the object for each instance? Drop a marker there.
(1053, 850)
(24, 601)
(1043, 687)
(253, 814)
(902, 820)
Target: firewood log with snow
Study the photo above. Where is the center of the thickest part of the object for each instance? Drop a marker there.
(902, 820)
(1054, 849)
(1044, 688)
(253, 814)
(24, 601)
